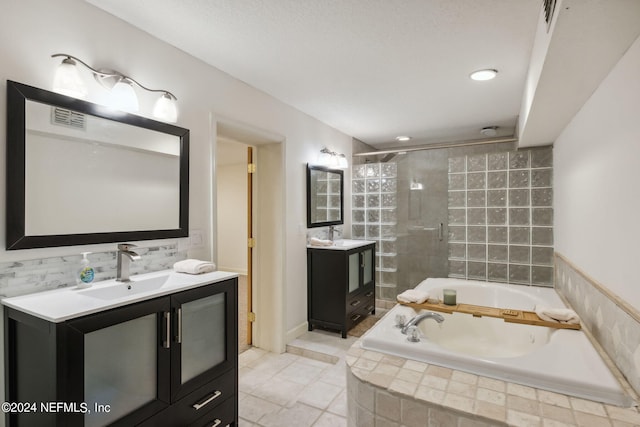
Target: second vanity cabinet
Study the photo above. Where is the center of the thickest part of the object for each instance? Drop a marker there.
(166, 361)
(340, 285)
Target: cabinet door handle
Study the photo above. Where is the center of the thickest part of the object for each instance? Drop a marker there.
(370, 308)
(368, 294)
(356, 317)
(167, 336)
(362, 259)
(207, 400)
(216, 423)
(440, 231)
(179, 336)
(356, 302)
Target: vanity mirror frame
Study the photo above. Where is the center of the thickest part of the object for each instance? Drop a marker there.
(312, 192)
(17, 96)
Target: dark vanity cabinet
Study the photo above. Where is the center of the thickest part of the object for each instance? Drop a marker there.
(167, 361)
(340, 286)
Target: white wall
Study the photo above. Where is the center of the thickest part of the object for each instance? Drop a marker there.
(32, 30)
(597, 182)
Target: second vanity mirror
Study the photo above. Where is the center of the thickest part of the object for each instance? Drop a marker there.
(325, 194)
(79, 173)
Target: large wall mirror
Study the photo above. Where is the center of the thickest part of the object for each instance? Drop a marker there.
(325, 194)
(79, 173)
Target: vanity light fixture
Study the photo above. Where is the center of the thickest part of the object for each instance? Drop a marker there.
(332, 159)
(67, 81)
(483, 75)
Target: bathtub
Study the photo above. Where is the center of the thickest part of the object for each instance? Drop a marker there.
(558, 360)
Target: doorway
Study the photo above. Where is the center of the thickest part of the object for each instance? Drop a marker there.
(234, 189)
(265, 292)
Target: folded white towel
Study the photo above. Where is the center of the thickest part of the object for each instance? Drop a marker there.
(194, 266)
(559, 315)
(314, 241)
(413, 295)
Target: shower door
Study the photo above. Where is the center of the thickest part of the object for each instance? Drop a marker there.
(422, 217)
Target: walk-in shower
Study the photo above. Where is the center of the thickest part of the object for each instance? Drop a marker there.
(482, 212)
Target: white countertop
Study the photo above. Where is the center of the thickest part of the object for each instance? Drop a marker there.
(59, 305)
(343, 245)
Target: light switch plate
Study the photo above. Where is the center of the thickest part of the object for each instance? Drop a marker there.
(196, 238)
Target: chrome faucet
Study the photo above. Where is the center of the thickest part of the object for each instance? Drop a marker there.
(419, 318)
(332, 230)
(125, 256)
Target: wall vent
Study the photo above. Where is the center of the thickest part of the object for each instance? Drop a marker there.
(549, 8)
(68, 118)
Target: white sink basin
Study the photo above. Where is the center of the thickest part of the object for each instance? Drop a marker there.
(344, 244)
(63, 304)
(122, 290)
(349, 242)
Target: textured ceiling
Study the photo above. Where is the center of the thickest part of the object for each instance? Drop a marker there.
(373, 69)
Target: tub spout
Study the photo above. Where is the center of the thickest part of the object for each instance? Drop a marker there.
(419, 318)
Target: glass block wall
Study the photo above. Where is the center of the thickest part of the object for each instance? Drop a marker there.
(374, 217)
(501, 217)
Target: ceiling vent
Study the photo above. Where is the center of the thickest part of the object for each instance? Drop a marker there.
(549, 8)
(68, 118)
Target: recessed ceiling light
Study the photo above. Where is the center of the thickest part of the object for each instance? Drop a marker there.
(403, 138)
(482, 75)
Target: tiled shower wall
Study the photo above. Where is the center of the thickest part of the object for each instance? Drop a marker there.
(501, 217)
(36, 275)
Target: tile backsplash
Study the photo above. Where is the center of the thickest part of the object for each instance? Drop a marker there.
(613, 323)
(36, 275)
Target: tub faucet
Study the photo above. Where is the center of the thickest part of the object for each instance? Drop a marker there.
(125, 256)
(332, 230)
(419, 318)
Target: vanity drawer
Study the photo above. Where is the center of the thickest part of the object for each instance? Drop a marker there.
(361, 299)
(223, 415)
(210, 395)
(195, 404)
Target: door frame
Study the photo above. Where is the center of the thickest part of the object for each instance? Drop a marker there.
(268, 264)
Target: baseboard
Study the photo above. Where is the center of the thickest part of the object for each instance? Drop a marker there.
(294, 333)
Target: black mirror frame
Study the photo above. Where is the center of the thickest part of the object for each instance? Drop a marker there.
(324, 223)
(17, 95)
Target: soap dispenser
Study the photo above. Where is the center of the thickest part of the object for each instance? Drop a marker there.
(85, 273)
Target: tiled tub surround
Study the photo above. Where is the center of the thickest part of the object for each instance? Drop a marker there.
(392, 391)
(558, 360)
(36, 275)
(613, 322)
(501, 217)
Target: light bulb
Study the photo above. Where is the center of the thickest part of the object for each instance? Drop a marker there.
(123, 97)
(324, 158)
(165, 109)
(342, 161)
(67, 80)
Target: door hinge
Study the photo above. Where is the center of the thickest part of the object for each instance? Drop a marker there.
(251, 242)
(251, 168)
(251, 316)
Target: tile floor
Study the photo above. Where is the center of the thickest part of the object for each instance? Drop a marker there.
(291, 390)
